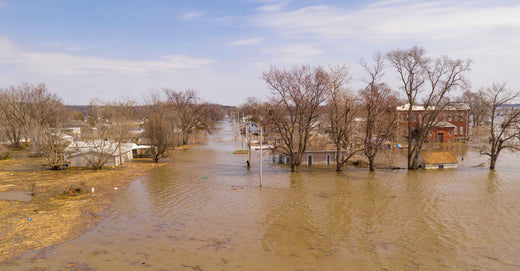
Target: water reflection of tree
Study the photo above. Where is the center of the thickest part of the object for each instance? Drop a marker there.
(424, 230)
(492, 182)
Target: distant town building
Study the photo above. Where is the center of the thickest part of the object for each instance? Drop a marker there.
(451, 125)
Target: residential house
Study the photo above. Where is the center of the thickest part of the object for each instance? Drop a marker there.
(82, 154)
(320, 151)
(451, 125)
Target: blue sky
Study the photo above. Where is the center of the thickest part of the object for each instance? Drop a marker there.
(125, 49)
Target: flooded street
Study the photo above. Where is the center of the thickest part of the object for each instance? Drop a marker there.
(205, 211)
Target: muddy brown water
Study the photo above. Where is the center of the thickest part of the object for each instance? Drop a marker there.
(315, 219)
(16, 195)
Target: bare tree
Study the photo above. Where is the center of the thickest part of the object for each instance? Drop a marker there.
(122, 121)
(191, 113)
(431, 79)
(48, 117)
(14, 113)
(378, 103)
(252, 107)
(478, 108)
(296, 98)
(157, 129)
(341, 111)
(504, 130)
(31, 113)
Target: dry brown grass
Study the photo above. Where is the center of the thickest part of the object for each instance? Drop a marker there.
(56, 215)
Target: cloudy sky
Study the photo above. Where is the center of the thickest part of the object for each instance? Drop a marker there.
(125, 49)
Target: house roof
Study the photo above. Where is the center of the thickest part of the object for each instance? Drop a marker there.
(320, 143)
(445, 124)
(98, 146)
(439, 158)
(455, 107)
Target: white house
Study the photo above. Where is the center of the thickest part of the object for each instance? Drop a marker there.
(87, 154)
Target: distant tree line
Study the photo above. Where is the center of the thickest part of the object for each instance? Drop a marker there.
(33, 117)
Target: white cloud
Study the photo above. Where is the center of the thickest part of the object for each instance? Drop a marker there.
(188, 16)
(489, 35)
(79, 78)
(393, 20)
(292, 54)
(68, 64)
(273, 7)
(245, 42)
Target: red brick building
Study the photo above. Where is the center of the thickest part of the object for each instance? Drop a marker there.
(452, 123)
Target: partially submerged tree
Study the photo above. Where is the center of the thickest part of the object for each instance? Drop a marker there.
(296, 98)
(341, 110)
(191, 114)
(504, 130)
(431, 80)
(378, 103)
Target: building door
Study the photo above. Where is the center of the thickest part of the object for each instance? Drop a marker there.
(441, 137)
(328, 159)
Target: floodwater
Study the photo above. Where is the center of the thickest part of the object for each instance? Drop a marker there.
(205, 211)
(16, 195)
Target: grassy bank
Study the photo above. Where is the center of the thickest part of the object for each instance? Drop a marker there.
(63, 205)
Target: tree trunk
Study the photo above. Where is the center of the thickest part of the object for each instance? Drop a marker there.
(339, 165)
(493, 161)
(415, 161)
(371, 163)
(293, 167)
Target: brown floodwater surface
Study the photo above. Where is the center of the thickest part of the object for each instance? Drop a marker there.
(205, 211)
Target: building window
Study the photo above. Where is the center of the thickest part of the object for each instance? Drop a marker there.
(449, 117)
(461, 130)
(328, 159)
(309, 159)
(449, 132)
(287, 159)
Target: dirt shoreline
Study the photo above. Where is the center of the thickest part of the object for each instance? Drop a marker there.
(63, 204)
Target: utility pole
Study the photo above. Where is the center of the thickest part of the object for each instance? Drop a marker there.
(261, 151)
(249, 141)
(240, 129)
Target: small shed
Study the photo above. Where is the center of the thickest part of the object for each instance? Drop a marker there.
(433, 160)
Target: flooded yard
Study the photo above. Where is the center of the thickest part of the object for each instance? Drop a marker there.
(205, 211)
